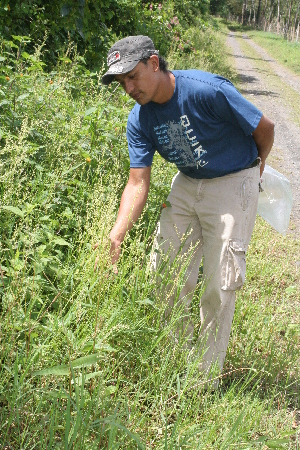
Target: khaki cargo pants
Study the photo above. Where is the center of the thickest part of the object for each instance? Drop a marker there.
(215, 217)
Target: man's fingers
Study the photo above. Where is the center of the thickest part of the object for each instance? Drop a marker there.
(114, 254)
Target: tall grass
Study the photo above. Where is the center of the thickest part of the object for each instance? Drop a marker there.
(207, 52)
(87, 359)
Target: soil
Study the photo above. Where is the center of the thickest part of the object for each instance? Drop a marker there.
(270, 86)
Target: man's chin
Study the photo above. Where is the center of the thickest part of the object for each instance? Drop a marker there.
(141, 101)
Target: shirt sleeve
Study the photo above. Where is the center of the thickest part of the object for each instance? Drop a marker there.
(141, 149)
(233, 107)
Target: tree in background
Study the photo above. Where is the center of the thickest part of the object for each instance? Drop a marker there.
(93, 25)
(260, 14)
(89, 24)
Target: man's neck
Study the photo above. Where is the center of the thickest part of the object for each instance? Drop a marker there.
(165, 89)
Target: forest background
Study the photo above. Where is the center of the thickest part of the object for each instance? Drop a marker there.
(85, 359)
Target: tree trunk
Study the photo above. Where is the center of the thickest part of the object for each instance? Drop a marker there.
(243, 12)
(271, 13)
(253, 7)
(258, 13)
(296, 15)
(264, 15)
(287, 25)
(278, 17)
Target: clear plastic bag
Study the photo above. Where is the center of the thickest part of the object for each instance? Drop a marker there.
(276, 200)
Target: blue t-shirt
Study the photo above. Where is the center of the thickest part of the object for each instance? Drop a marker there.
(205, 128)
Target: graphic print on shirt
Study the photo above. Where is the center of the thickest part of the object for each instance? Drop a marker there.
(179, 144)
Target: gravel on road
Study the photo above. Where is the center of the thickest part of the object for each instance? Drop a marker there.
(269, 86)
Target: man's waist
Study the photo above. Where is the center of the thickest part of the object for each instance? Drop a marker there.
(205, 176)
(256, 162)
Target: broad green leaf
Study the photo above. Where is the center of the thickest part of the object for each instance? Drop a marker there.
(21, 38)
(55, 370)
(60, 241)
(111, 390)
(21, 97)
(33, 335)
(105, 348)
(90, 111)
(2, 58)
(87, 377)
(29, 208)
(5, 102)
(26, 55)
(65, 369)
(14, 209)
(65, 59)
(291, 289)
(276, 443)
(45, 218)
(17, 38)
(146, 302)
(12, 44)
(86, 361)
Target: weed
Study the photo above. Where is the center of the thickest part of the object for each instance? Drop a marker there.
(87, 360)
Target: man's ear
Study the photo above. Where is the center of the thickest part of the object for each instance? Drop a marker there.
(154, 61)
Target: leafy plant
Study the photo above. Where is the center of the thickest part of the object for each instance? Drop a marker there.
(87, 358)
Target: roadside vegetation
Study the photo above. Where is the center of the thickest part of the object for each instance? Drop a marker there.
(285, 52)
(86, 360)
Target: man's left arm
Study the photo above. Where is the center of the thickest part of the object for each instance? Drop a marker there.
(263, 136)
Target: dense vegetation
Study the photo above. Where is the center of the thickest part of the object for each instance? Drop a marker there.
(86, 360)
(94, 25)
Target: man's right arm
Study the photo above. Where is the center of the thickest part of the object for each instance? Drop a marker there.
(132, 203)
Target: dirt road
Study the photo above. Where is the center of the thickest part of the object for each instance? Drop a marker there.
(274, 90)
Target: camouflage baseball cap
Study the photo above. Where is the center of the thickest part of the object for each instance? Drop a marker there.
(125, 54)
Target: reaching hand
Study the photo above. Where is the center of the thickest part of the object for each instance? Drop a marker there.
(115, 254)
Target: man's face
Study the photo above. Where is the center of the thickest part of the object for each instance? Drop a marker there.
(141, 83)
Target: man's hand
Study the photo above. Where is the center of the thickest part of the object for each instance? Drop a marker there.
(115, 251)
(132, 203)
(114, 255)
(263, 136)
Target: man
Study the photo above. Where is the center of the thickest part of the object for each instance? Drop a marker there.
(219, 142)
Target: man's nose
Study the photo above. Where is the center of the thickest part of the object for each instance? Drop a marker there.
(128, 86)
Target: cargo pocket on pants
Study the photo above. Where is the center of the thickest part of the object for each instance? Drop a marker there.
(234, 265)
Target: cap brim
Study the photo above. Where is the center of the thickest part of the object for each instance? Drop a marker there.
(109, 76)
